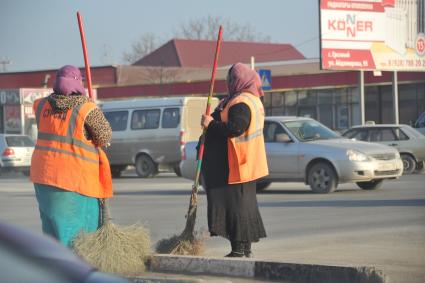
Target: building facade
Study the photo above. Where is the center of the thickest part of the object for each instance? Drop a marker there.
(298, 85)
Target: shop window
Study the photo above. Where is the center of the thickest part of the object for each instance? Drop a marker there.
(326, 115)
(277, 104)
(386, 102)
(342, 117)
(407, 102)
(372, 109)
(326, 109)
(307, 98)
(341, 96)
(267, 100)
(307, 104)
(290, 103)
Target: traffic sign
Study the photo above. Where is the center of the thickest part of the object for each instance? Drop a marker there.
(266, 78)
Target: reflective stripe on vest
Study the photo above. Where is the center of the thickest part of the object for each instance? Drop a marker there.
(64, 157)
(246, 153)
(68, 139)
(258, 129)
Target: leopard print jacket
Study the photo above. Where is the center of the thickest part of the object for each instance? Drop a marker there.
(97, 128)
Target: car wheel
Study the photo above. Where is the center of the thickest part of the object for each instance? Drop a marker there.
(177, 170)
(116, 171)
(419, 167)
(261, 186)
(145, 167)
(322, 178)
(371, 185)
(409, 163)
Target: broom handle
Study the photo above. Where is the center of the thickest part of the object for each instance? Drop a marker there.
(86, 57)
(208, 108)
(105, 214)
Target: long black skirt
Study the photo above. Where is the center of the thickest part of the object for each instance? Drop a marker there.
(233, 213)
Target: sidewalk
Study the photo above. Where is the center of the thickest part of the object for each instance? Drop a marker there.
(168, 268)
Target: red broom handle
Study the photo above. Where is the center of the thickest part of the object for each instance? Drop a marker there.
(208, 108)
(86, 57)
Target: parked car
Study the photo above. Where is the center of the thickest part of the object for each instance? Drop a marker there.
(29, 257)
(15, 153)
(150, 132)
(303, 150)
(409, 142)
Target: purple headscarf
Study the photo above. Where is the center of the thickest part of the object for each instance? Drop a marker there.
(68, 81)
(240, 79)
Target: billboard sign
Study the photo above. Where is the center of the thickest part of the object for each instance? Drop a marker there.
(383, 35)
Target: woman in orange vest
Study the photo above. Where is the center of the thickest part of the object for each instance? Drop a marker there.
(234, 159)
(69, 170)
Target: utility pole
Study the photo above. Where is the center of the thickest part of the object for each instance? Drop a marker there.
(4, 62)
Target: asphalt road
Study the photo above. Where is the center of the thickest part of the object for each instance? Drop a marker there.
(383, 228)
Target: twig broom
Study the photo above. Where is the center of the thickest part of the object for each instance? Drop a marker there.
(114, 249)
(187, 243)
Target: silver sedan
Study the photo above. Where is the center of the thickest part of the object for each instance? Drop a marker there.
(303, 150)
(408, 141)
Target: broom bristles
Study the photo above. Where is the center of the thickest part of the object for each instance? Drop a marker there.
(113, 249)
(181, 245)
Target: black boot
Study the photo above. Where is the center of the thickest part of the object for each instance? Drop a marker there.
(247, 249)
(237, 250)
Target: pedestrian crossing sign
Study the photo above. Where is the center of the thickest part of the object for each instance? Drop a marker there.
(266, 79)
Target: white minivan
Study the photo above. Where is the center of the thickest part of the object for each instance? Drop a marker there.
(151, 132)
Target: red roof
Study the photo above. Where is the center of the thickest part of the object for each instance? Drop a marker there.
(200, 53)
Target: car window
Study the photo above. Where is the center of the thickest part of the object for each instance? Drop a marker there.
(400, 135)
(271, 130)
(358, 134)
(308, 130)
(379, 135)
(170, 118)
(145, 119)
(117, 120)
(19, 141)
(411, 132)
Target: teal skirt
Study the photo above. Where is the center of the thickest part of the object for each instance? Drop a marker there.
(65, 214)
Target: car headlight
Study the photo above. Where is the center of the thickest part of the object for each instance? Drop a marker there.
(355, 155)
(397, 155)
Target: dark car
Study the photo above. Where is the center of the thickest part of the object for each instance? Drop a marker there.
(30, 257)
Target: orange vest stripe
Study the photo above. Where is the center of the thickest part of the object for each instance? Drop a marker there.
(246, 153)
(63, 157)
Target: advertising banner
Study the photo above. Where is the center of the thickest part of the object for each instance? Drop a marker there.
(12, 118)
(385, 35)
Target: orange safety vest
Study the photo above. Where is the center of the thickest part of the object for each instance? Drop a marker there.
(63, 157)
(247, 153)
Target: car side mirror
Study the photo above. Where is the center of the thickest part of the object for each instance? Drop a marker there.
(283, 138)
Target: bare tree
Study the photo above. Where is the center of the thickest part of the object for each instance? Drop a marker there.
(141, 47)
(207, 27)
(202, 28)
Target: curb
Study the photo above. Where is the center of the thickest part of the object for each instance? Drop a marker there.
(265, 270)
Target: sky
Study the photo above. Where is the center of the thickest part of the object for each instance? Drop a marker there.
(44, 34)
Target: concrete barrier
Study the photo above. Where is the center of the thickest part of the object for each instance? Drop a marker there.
(265, 270)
